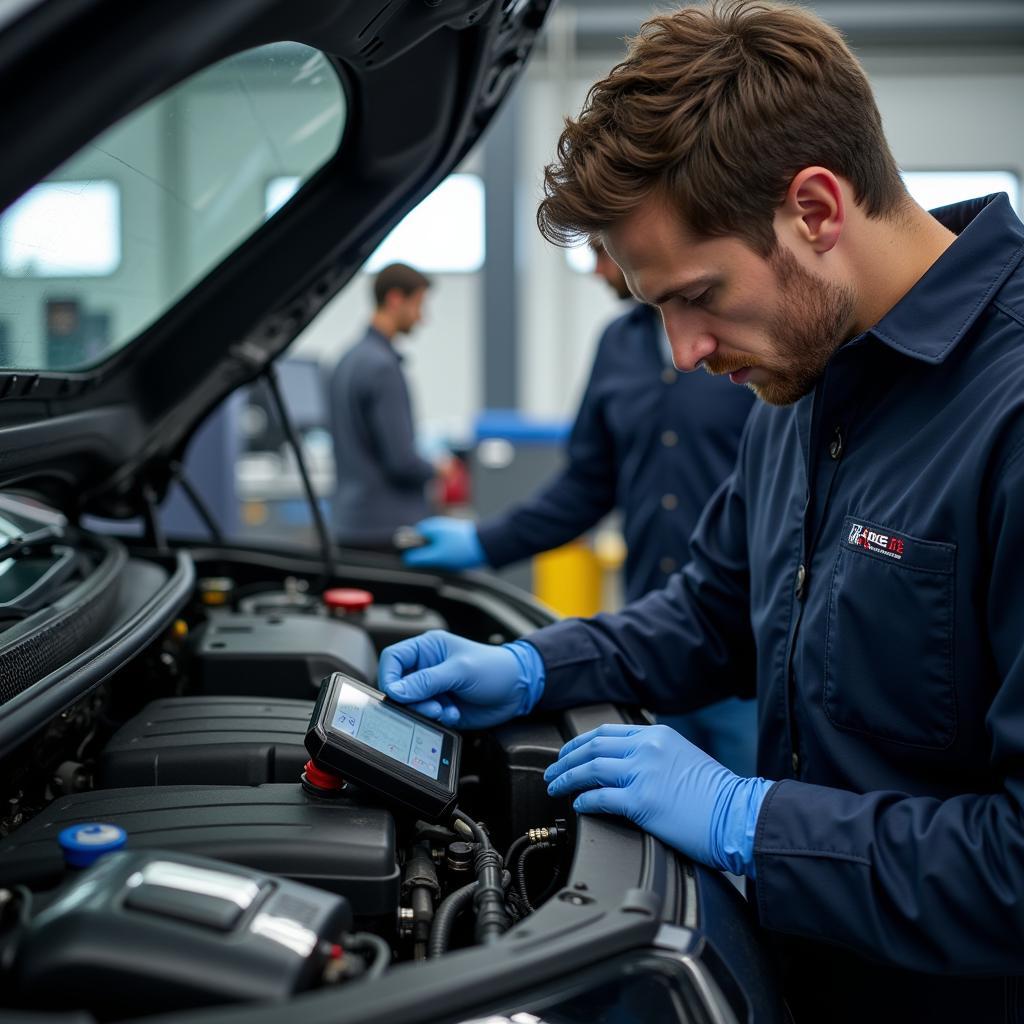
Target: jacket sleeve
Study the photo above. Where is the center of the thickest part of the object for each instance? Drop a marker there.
(675, 649)
(574, 500)
(388, 417)
(924, 883)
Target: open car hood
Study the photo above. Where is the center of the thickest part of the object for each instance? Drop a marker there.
(423, 78)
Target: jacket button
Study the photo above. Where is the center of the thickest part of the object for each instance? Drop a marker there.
(669, 502)
(801, 578)
(796, 763)
(835, 449)
(668, 565)
(668, 375)
(669, 438)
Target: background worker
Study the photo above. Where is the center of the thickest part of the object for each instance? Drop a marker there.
(381, 479)
(862, 565)
(647, 439)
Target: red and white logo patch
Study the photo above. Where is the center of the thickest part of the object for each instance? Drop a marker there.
(881, 543)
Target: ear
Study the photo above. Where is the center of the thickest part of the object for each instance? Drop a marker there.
(814, 209)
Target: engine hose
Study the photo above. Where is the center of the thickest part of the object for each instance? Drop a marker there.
(381, 951)
(444, 918)
(448, 910)
(489, 899)
(513, 850)
(514, 901)
(521, 873)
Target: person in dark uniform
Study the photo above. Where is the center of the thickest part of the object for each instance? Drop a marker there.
(381, 478)
(649, 440)
(860, 569)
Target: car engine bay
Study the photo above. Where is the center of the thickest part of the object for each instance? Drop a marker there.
(170, 843)
(234, 882)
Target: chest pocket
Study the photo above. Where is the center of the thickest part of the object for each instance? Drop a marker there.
(889, 636)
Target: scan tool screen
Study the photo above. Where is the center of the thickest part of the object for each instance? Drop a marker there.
(388, 731)
(366, 739)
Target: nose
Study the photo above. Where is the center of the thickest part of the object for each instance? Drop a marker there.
(688, 342)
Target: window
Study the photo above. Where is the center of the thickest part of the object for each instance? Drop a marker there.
(940, 188)
(279, 190)
(581, 258)
(443, 235)
(135, 219)
(63, 229)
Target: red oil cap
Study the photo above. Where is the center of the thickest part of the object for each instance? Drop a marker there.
(327, 781)
(347, 599)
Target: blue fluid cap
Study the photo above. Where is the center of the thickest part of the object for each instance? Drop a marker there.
(84, 844)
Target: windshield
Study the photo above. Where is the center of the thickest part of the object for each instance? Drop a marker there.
(116, 235)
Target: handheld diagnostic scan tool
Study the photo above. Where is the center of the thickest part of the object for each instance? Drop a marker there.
(357, 733)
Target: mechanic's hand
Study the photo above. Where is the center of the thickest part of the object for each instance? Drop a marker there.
(452, 544)
(458, 682)
(662, 782)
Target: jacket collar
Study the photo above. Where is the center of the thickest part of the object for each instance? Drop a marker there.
(931, 319)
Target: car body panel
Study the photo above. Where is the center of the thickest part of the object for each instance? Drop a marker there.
(422, 82)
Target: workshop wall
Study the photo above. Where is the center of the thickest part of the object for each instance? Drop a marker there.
(941, 112)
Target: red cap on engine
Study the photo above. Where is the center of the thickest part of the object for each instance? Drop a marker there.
(347, 599)
(327, 781)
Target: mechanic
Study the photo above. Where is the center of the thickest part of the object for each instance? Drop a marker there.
(381, 477)
(651, 440)
(862, 564)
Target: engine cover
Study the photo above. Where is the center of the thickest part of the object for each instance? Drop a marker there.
(338, 845)
(226, 741)
(278, 655)
(146, 929)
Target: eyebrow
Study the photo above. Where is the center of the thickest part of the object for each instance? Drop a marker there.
(687, 286)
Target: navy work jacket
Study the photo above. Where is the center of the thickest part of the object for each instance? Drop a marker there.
(648, 440)
(863, 570)
(381, 478)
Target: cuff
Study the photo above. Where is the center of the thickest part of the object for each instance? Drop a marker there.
(735, 848)
(531, 673)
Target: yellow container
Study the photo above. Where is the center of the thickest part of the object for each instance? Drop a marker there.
(568, 579)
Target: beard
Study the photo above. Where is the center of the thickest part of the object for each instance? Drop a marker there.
(817, 320)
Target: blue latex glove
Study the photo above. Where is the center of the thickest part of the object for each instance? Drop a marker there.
(459, 682)
(672, 789)
(453, 544)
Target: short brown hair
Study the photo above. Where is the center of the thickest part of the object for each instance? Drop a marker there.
(718, 108)
(398, 276)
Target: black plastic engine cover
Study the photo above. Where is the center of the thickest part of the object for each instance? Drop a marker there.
(389, 623)
(517, 754)
(337, 844)
(223, 741)
(278, 655)
(386, 624)
(150, 929)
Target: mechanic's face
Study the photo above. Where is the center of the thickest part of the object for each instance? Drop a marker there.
(408, 310)
(608, 270)
(770, 324)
